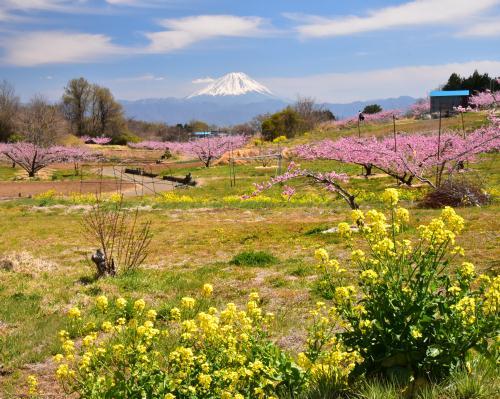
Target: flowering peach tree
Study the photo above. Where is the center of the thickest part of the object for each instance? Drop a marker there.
(208, 149)
(412, 156)
(32, 158)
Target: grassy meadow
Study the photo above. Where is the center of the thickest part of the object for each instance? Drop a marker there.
(208, 234)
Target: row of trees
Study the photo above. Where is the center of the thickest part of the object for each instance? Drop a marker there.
(475, 83)
(206, 149)
(85, 110)
(425, 158)
(409, 157)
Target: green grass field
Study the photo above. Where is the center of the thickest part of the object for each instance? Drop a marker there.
(197, 232)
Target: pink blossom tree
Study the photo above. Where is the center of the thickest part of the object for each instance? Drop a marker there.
(420, 108)
(208, 149)
(382, 116)
(100, 140)
(331, 181)
(346, 150)
(409, 156)
(485, 100)
(32, 158)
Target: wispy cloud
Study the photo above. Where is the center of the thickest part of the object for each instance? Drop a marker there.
(415, 81)
(183, 32)
(57, 47)
(142, 78)
(10, 8)
(203, 80)
(486, 28)
(413, 13)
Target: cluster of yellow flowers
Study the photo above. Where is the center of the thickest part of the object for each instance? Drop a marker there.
(46, 195)
(397, 269)
(197, 353)
(32, 386)
(326, 354)
(491, 304)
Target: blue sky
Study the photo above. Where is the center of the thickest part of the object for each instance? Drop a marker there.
(336, 51)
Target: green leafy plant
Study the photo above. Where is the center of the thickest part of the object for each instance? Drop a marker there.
(411, 314)
(195, 352)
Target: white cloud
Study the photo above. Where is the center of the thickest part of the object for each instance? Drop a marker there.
(57, 47)
(489, 28)
(142, 78)
(183, 32)
(122, 2)
(413, 13)
(8, 8)
(414, 81)
(203, 80)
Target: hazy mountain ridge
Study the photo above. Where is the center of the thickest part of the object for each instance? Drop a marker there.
(235, 98)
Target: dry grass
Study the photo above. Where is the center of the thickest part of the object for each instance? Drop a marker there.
(192, 244)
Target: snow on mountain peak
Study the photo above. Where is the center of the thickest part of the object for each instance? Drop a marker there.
(232, 84)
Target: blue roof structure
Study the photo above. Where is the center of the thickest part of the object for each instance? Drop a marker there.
(449, 93)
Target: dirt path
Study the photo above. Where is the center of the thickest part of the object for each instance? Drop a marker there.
(136, 185)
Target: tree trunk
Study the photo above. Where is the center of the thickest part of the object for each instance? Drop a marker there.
(103, 265)
(368, 169)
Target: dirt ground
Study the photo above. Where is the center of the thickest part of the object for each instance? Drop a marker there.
(12, 189)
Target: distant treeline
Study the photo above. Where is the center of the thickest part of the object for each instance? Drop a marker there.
(475, 83)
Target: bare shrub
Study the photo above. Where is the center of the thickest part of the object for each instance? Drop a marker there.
(123, 241)
(455, 192)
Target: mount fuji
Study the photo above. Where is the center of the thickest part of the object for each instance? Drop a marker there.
(231, 85)
(234, 98)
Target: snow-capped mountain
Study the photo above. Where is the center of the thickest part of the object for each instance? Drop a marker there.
(233, 84)
(233, 98)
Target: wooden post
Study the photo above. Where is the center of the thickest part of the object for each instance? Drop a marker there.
(439, 148)
(463, 126)
(394, 131)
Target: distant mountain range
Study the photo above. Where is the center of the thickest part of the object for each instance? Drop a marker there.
(232, 99)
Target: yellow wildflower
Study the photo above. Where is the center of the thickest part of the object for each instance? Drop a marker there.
(344, 229)
(207, 290)
(74, 313)
(188, 302)
(390, 196)
(121, 303)
(102, 303)
(321, 255)
(139, 305)
(415, 332)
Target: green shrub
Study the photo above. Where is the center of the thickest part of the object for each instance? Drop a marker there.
(254, 259)
(410, 314)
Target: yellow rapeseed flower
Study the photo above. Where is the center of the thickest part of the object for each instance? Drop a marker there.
(32, 385)
(74, 313)
(415, 332)
(121, 303)
(390, 196)
(344, 229)
(467, 270)
(321, 255)
(207, 290)
(188, 302)
(139, 305)
(102, 303)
